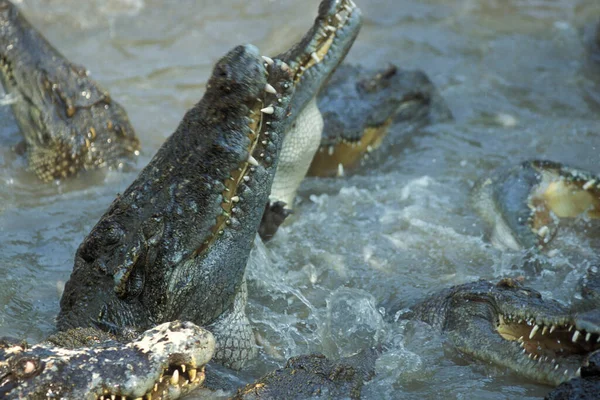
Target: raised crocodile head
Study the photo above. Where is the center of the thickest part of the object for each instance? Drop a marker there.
(69, 122)
(316, 56)
(359, 106)
(524, 204)
(175, 244)
(165, 362)
(510, 325)
(312, 61)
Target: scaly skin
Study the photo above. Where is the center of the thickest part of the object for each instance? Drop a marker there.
(512, 326)
(68, 121)
(359, 106)
(312, 62)
(314, 376)
(164, 363)
(175, 244)
(524, 204)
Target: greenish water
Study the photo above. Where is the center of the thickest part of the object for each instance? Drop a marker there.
(518, 77)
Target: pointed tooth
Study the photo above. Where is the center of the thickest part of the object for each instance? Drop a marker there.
(267, 110)
(246, 178)
(533, 331)
(268, 60)
(235, 199)
(156, 387)
(588, 336)
(315, 57)
(571, 328)
(192, 373)
(149, 396)
(544, 330)
(285, 67)
(113, 397)
(552, 328)
(175, 378)
(270, 89)
(575, 336)
(578, 372)
(252, 160)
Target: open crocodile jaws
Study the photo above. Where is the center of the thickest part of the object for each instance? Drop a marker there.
(175, 244)
(523, 205)
(164, 363)
(68, 121)
(312, 61)
(510, 325)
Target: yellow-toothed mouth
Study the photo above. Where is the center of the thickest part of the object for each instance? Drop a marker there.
(559, 197)
(548, 343)
(334, 159)
(173, 382)
(327, 33)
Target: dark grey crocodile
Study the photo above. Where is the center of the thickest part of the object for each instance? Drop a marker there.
(511, 325)
(175, 244)
(163, 363)
(523, 205)
(68, 121)
(359, 106)
(314, 376)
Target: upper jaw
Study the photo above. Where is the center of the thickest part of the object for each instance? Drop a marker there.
(314, 58)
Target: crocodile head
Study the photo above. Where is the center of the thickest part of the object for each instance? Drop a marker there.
(312, 61)
(524, 204)
(165, 362)
(68, 121)
(359, 106)
(316, 56)
(175, 244)
(510, 325)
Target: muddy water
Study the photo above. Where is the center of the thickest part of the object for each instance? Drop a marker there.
(518, 78)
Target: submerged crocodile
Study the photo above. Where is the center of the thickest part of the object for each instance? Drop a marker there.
(511, 325)
(68, 121)
(164, 362)
(314, 376)
(523, 205)
(359, 106)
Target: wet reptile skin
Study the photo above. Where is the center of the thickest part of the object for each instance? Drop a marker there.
(68, 121)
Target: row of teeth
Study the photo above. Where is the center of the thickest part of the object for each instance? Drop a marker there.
(340, 20)
(331, 149)
(540, 359)
(544, 329)
(173, 380)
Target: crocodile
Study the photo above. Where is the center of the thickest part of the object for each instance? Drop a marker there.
(68, 121)
(359, 107)
(165, 362)
(524, 204)
(175, 244)
(512, 326)
(313, 60)
(314, 376)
